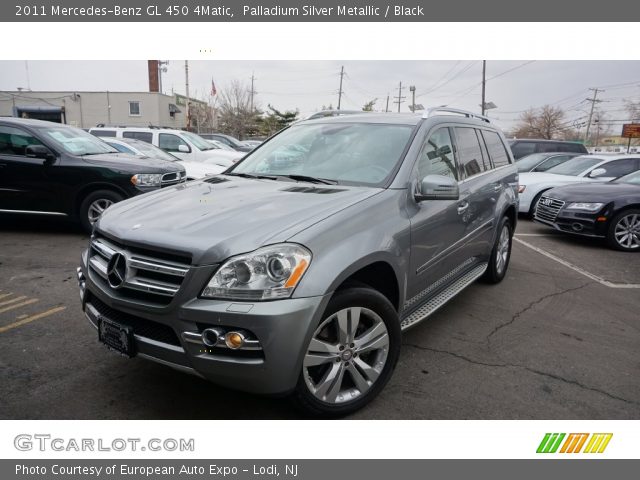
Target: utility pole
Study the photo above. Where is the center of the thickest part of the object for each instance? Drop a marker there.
(399, 97)
(593, 104)
(484, 83)
(412, 89)
(340, 91)
(253, 92)
(387, 107)
(186, 76)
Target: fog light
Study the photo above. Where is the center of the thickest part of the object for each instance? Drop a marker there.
(234, 340)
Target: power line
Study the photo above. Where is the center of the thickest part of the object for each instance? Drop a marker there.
(593, 104)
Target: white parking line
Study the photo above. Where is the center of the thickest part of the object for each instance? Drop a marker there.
(535, 235)
(581, 271)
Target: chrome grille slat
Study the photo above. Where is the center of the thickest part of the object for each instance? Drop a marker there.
(549, 212)
(144, 273)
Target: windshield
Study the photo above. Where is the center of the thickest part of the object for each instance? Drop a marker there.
(199, 142)
(575, 166)
(361, 154)
(220, 145)
(152, 151)
(633, 178)
(525, 164)
(76, 141)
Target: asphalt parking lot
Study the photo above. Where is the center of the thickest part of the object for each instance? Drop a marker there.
(558, 339)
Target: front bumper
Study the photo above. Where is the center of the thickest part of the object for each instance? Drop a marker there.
(577, 223)
(280, 330)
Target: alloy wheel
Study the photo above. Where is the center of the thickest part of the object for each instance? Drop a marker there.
(346, 355)
(502, 251)
(96, 209)
(627, 231)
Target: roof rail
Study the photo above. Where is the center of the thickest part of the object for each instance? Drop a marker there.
(430, 112)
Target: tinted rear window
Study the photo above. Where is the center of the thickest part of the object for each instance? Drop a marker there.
(103, 133)
(143, 136)
(521, 149)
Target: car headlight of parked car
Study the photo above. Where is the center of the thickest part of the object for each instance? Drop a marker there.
(586, 206)
(268, 273)
(147, 179)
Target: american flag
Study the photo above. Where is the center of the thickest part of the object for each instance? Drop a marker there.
(213, 89)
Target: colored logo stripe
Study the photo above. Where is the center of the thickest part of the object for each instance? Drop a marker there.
(598, 442)
(574, 443)
(550, 442)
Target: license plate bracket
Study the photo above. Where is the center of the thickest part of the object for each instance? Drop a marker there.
(116, 337)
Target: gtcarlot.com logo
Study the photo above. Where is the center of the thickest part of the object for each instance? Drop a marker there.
(574, 443)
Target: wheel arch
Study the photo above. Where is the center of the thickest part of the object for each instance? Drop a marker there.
(86, 190)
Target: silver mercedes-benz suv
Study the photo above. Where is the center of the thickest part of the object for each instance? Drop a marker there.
(296, 270)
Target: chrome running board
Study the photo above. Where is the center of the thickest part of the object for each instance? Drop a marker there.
(443, 297)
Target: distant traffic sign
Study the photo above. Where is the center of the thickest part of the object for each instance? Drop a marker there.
(631, 130)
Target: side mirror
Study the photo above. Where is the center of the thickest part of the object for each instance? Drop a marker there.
(438, 187)
(38, 151)
(598, 172)
(183, 148)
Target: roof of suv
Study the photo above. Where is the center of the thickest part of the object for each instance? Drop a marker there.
(32, 122)
(388, 118)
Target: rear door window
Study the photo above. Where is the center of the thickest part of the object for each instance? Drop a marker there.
(497, 150)
(103, 133)
(469, 151)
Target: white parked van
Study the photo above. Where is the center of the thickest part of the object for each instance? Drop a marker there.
(186, 146)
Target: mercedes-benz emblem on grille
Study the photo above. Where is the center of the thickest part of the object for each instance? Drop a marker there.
(117, 270)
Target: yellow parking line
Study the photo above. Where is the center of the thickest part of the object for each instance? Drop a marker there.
(37, 316)
(18, 305)
(13, 300)
(5, 295)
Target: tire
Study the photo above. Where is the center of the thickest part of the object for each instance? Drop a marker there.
(500, 253)
(89, 206)
(362, 361)
(624, 231)
(534, 203)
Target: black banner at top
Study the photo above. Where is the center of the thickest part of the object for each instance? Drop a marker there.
(318, 11)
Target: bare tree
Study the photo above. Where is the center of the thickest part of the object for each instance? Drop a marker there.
(633, 110)
(368, 107)
(235, 116)
(545, 123)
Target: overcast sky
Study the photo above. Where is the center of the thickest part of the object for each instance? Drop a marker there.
(513, 86)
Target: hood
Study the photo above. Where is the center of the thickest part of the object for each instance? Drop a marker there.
(133, 163)
(225, 154)
(595, 192)
(531, 178)
(200, 170)
(223, 216)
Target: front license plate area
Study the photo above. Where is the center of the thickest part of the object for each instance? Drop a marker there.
(116, 337)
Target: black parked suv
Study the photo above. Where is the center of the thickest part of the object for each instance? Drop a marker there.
(52, 169)
(527, 146)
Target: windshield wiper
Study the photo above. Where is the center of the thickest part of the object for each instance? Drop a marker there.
(307, 178)
(252, 175)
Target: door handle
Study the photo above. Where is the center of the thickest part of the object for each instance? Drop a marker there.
(462, 207)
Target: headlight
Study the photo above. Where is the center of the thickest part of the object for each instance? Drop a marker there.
(521, 188)
(147, 179)
(266, 274)
(589, 207)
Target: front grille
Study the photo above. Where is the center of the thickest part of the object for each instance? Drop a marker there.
(134, 273)
(173, 178)
(548, 208)
(140, 326)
